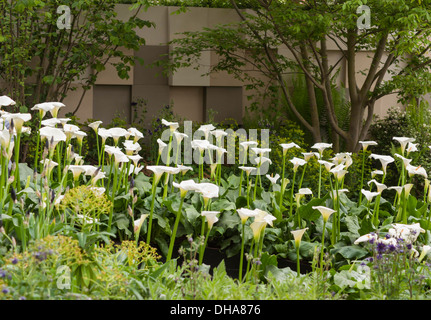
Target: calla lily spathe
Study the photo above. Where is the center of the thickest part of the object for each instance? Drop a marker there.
(403, 142)
(6, 101)
(325, 212)
(172, 125)
(297, 236)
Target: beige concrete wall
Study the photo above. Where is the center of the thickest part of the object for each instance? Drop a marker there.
(188, 102)
(185, 89)
(85, 110)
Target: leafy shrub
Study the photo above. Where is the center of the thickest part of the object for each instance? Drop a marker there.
(57, 268)
(412, 123)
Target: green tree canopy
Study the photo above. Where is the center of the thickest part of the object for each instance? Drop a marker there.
(284, 37)
(46, 46)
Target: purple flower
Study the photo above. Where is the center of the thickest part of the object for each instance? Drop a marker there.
(5, 290)
(391, 248)
(381, 247)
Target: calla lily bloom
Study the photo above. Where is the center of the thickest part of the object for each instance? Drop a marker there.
(185, 186)
(162, 145)
(257, 227)
(158, 171)
(366, 238)
(287, 146)
(5, 101)
(53, 135)
(380, 186)
(48, 165)
(297, 236)
(43, 108)
(56, 106)
(301, 193)
(264, 216)
(376, 172)
(261, 160)
(131, 147)
(52, 122)
(206, 128)
(201, 145)
(117, 133)
(137, 224)
(334, 194)
(247, 144)
(211, 217)
(406, 161)
(339, 172)
(365, 144)
(321, 146)
(384, 160)
(325, 212)
(412, 170)
(248, 170)
(273, 179)
(135, 158)
(172, 125)
(260, 151)
(424, 252)
(95, 125)
(308, 155)
(184, 169)
(104, 134)
(403, 142)
(218, 134)
(76, 171)
(179, 136)
(136, 134)
(328, 165)
(18, 119)
(408, 233)
(245, 213)
(369, 195)
(208, 190)
(297, 162)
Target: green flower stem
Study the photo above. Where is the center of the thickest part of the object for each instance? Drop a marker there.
(165, 188)
(256, 182)
(241, 257)
(150, 220)
(17, 148)
(362, 178)
(428, 223)
(302, 176)
(201, 171)
(248, 191)
(98, 149)
(376, 211)
(174, 231)
(320, 180)
(405, 208)
(114, 186)
(36, 157)
(298, 272)
(291, 193)
(247, 270)
(282, 182)
(337, 213)
(202, 250)
(323, 246)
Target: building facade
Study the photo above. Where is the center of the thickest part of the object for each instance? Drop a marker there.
(192, 93)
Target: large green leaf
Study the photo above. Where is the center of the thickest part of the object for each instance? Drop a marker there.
(351, 252)
(222, 205)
